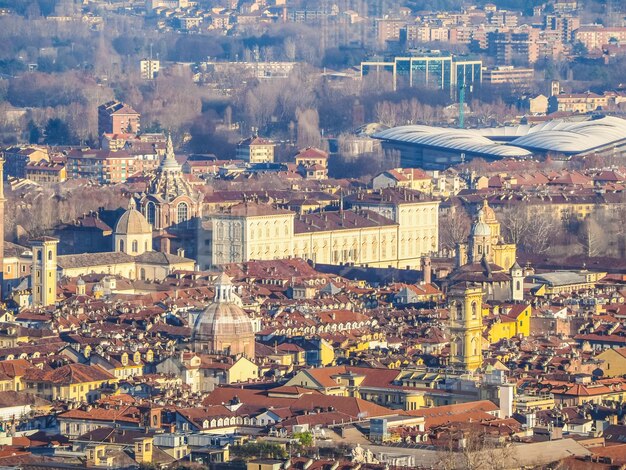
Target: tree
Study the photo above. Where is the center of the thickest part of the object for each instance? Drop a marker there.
(579, 49)
(592, 238)
(305, 438)
(473, 449)
(531, 233)
(453, 229)
(34, 134)
(58, 132)
(309, 128)
(205, 138)
(260, 449)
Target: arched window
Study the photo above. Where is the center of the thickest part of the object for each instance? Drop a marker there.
(50, 255)
(135, 246)
(145, 246)
(519, 285)
(39, 256)
(458, 310)
(182, 213)
(151, 212)
(142, 274)
(122, 246)
(474, 310)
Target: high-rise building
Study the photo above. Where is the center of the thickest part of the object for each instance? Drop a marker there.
(44, 271)
(514, 47)
(149, 68)
(256, 150)
(444, 72)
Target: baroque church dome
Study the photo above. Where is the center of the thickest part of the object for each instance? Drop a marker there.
(132, 222)
(224, 327)
(481, 228)
(168, 183)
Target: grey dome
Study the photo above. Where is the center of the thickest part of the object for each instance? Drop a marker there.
(480, 228)
(132, 222)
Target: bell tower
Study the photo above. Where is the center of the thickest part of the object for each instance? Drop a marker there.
(466, 327)
(44, 271)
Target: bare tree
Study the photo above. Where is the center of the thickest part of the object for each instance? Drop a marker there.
(454, 229)
(592, 238)
(308, 129)
(531, 233)
(474, 449)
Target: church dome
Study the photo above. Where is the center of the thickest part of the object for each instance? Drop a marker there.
(480, 228)
(224, 326)
(168, 182)
(132, 222)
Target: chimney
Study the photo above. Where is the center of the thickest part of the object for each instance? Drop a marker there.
(426, 270)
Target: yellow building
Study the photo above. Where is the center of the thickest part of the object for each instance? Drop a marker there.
(256, 150)
(417, 216)
(613, 362)
(16, 264)
(466, 327)
(121, 365)
(12, 372)
(73, 382)
(151, 265)
(390, 227)
(511, 321)
(563, 282)
(360, 382)
(44, 172)
(578, 102)
(242, 370)
(44, 271)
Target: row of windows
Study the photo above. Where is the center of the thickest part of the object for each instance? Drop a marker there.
(182, 213)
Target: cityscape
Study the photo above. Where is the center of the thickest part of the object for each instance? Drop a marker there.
(313, 234)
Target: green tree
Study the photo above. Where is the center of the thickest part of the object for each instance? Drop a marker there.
(305, 438)
(34, 134)
(579, 49)
(58, 132)
(252, 450)
(153, 128)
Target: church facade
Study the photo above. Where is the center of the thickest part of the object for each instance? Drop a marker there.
(171, 205)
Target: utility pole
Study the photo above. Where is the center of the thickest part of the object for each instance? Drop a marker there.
(462, 89)
(462, 106)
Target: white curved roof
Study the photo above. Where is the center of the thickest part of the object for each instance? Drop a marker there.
(574, 137)
(461, 140)
(579, 135)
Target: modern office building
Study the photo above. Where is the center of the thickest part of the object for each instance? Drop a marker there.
(444, 72)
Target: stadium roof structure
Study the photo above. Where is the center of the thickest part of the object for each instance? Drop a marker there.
(460, 140)
(568, 136)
